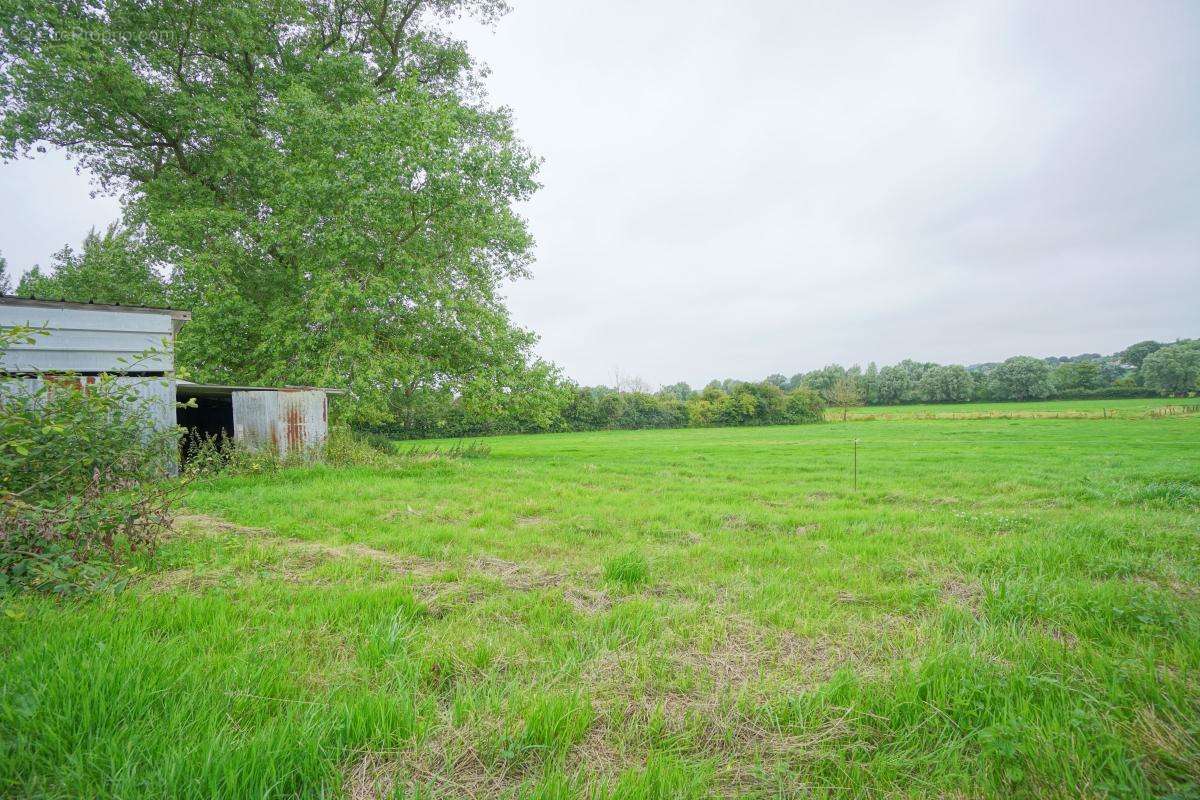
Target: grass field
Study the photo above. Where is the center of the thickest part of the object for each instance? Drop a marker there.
(1002, 608)
(1041, 409)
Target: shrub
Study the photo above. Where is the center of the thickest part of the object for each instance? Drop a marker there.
(346, 447)
(209, 456)
(804, 406)
(82, 478)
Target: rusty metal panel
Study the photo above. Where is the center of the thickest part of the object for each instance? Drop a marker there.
(301, 424)
(286, 421)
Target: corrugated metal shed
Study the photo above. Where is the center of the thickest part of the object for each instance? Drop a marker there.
(288, 420)
(88, 338)
(155, 395)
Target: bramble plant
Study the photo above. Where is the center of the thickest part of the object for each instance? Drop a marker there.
(82, 478)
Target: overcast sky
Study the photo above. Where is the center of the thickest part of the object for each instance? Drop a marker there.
(734, 188)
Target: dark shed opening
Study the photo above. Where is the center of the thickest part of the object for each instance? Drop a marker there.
(206, 415)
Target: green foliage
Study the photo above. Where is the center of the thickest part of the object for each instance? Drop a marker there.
(1077, 376)
(898, 383)
(5, 280)
(333, 193)
(549, 404)
(846, 392)
(116, 267)
(346, 447)
(1021, 378)
(1135, 354)
(1173, 370)
(81, 478)
(804, 406)
(949, 384)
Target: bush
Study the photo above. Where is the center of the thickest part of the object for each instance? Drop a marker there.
(805, 406)
(346, 447)
(210, 456)
(82, 479)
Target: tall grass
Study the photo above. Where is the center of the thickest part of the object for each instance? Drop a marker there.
(1004, 608)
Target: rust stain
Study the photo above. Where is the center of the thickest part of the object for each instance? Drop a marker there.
(295, 429)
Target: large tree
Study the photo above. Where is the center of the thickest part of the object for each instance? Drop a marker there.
(1135, 354)
(333, 193)
(1021, 378)
(1074, 376)
(949, 384)
(1174, 369)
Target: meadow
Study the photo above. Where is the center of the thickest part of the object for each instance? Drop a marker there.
(1036, 409)
(1005, 607)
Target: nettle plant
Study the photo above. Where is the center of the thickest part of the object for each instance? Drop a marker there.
(83, 478)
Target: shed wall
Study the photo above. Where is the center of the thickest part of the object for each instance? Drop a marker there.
(286, 421)
(78, 340)
(153, 396)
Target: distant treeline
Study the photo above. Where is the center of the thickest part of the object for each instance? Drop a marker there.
(558, 405)
(547, 402)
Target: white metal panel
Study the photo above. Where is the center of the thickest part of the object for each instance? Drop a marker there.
(253, 419)
(76, 340)
(155, 397)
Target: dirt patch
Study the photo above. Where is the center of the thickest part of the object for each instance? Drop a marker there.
(531, 521)
(412, 565)
(1185, 591)
(451, 764)
(966, 593)
(747, 653)
(371, 777)
(804, 530)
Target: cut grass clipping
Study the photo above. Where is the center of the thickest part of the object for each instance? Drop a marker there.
(1004, 608)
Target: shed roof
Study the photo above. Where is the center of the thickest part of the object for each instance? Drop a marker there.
(91, 305)
(225, 390)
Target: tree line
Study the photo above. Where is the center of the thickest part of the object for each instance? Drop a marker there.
(546, 401)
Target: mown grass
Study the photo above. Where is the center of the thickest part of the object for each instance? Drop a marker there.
(1003, 608)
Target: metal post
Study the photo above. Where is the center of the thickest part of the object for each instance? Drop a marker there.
(856, 465)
